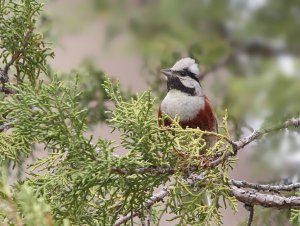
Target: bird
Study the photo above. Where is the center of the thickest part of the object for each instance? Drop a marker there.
(186, 99)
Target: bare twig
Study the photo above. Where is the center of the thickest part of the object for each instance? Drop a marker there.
(154, 199)
(252, 197)
(266, 187)
(240, 144)
(126, 218)
(256, 134)
(250, 208)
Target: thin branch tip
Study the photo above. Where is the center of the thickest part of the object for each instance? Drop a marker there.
(154, 199)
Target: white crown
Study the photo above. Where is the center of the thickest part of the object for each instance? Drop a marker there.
(186, 63)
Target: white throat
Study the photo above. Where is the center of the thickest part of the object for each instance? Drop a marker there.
(177, 103)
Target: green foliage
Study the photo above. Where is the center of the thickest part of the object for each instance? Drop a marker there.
(21, 47)
(279, 19)
(275, 94)
(81, 183)
(34, 209)
(48, 114)
(22, 206)
(90, 184)
(163, 29)
(188, 200)
(93, 96)
(23, 58)
(12, 147)
(295, 216)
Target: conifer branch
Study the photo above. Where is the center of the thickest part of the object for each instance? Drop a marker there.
(237, 145)
(252, 198)
(266, 187)
(240, 144)
(154, 199)
(256, 134)
(15, 57)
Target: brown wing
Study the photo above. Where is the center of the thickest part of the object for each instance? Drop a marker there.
(205, 119)
(212, 116)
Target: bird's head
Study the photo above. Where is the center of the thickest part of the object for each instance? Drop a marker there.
(184, 77)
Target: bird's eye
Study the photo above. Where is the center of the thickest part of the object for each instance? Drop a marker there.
(182, 73)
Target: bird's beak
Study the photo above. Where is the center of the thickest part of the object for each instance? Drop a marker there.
(167, 72)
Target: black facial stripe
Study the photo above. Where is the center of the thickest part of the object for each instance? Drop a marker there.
(191, 74)
(175, 83)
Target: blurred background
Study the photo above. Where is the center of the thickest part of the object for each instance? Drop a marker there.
(248, 51)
